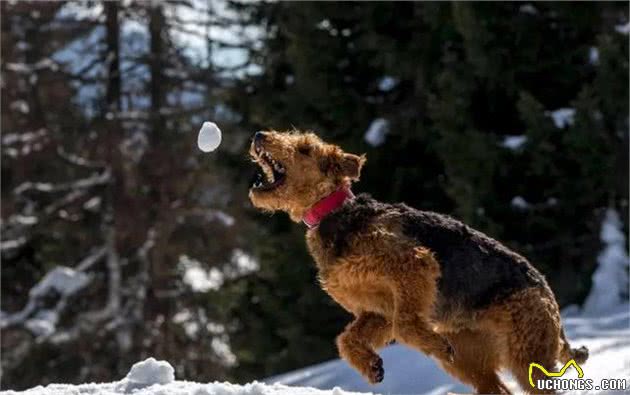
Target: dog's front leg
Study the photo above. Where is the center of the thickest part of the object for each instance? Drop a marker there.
(414, 295)
(358, 342)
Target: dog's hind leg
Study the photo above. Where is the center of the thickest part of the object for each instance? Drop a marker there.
(530, 325)
(476, 361)
(358, 342)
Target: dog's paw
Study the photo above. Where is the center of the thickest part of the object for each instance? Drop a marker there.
(376, 372)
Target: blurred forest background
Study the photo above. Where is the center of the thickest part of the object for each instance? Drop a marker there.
(121, 240)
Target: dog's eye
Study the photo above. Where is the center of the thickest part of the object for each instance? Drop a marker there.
(304, 149)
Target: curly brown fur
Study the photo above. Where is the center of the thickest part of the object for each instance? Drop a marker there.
(422, 278)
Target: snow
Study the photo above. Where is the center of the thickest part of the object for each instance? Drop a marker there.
(20, 106)
(376, 132)
(514, 142)
(153, 377)
(178, 388)
(221, 216)
(209, 137)
(610, 280)
(199, 279)
(606, 335)
(243, 263)
(623, 29)
(528, 9)
(387, 83)
(222, 349)
(562, 117)
(520, 203)
(80, 12)
(593, 56)
(147, 373)
(43, 324)
(608, 339)
(64, 280)
(407, 371)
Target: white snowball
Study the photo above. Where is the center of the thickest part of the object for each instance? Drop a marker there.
(150, 371)
(209, 137)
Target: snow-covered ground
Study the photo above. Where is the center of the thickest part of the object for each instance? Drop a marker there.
(151, 377)
(408, 372)
(602, 325)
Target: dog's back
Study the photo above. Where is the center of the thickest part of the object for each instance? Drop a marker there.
(476, 270)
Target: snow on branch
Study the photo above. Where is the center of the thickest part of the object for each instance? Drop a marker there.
(18, 229)
(78, 161)
(45, 187)
(62, 282)
(24, 68)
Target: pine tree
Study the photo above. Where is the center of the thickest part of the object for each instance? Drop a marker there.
(458, 84)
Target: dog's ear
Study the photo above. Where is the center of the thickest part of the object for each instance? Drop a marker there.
(344, 165)
(351, 165)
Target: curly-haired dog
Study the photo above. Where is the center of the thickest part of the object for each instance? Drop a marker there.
(422, 278)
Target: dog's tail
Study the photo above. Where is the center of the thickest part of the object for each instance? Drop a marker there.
(580, 355)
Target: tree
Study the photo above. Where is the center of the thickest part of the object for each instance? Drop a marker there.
(106, 202)
(495, 113)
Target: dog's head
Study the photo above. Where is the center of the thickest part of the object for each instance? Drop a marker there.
(296, 170)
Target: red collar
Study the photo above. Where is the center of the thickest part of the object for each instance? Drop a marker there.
(315, 214)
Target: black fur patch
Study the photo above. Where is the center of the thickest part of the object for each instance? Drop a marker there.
(353, 217)
(476, 269)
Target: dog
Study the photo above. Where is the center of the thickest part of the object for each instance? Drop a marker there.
(420, 278)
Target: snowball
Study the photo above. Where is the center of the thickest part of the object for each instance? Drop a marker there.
(209, 137)
(149, 372)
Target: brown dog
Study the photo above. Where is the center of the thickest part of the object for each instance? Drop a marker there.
(422, 278)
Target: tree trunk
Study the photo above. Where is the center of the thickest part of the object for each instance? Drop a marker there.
(113, 56)
(156, 27)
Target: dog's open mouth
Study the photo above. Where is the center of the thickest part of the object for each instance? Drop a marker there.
(270, 173)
